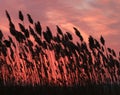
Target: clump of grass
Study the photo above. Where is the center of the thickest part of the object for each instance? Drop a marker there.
(54, 60)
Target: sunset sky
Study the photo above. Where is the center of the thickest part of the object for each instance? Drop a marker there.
(91, 17)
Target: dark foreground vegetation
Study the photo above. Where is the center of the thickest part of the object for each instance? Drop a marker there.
(47, 90)
(31, 56)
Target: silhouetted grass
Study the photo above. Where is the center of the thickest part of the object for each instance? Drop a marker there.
(55, 90)
(35, 62)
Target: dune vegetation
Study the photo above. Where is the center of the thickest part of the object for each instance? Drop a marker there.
(30, 56)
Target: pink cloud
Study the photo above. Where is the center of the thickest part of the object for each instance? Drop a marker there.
(91, 17)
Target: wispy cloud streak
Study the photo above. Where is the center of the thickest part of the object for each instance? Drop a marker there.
(92, 17)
